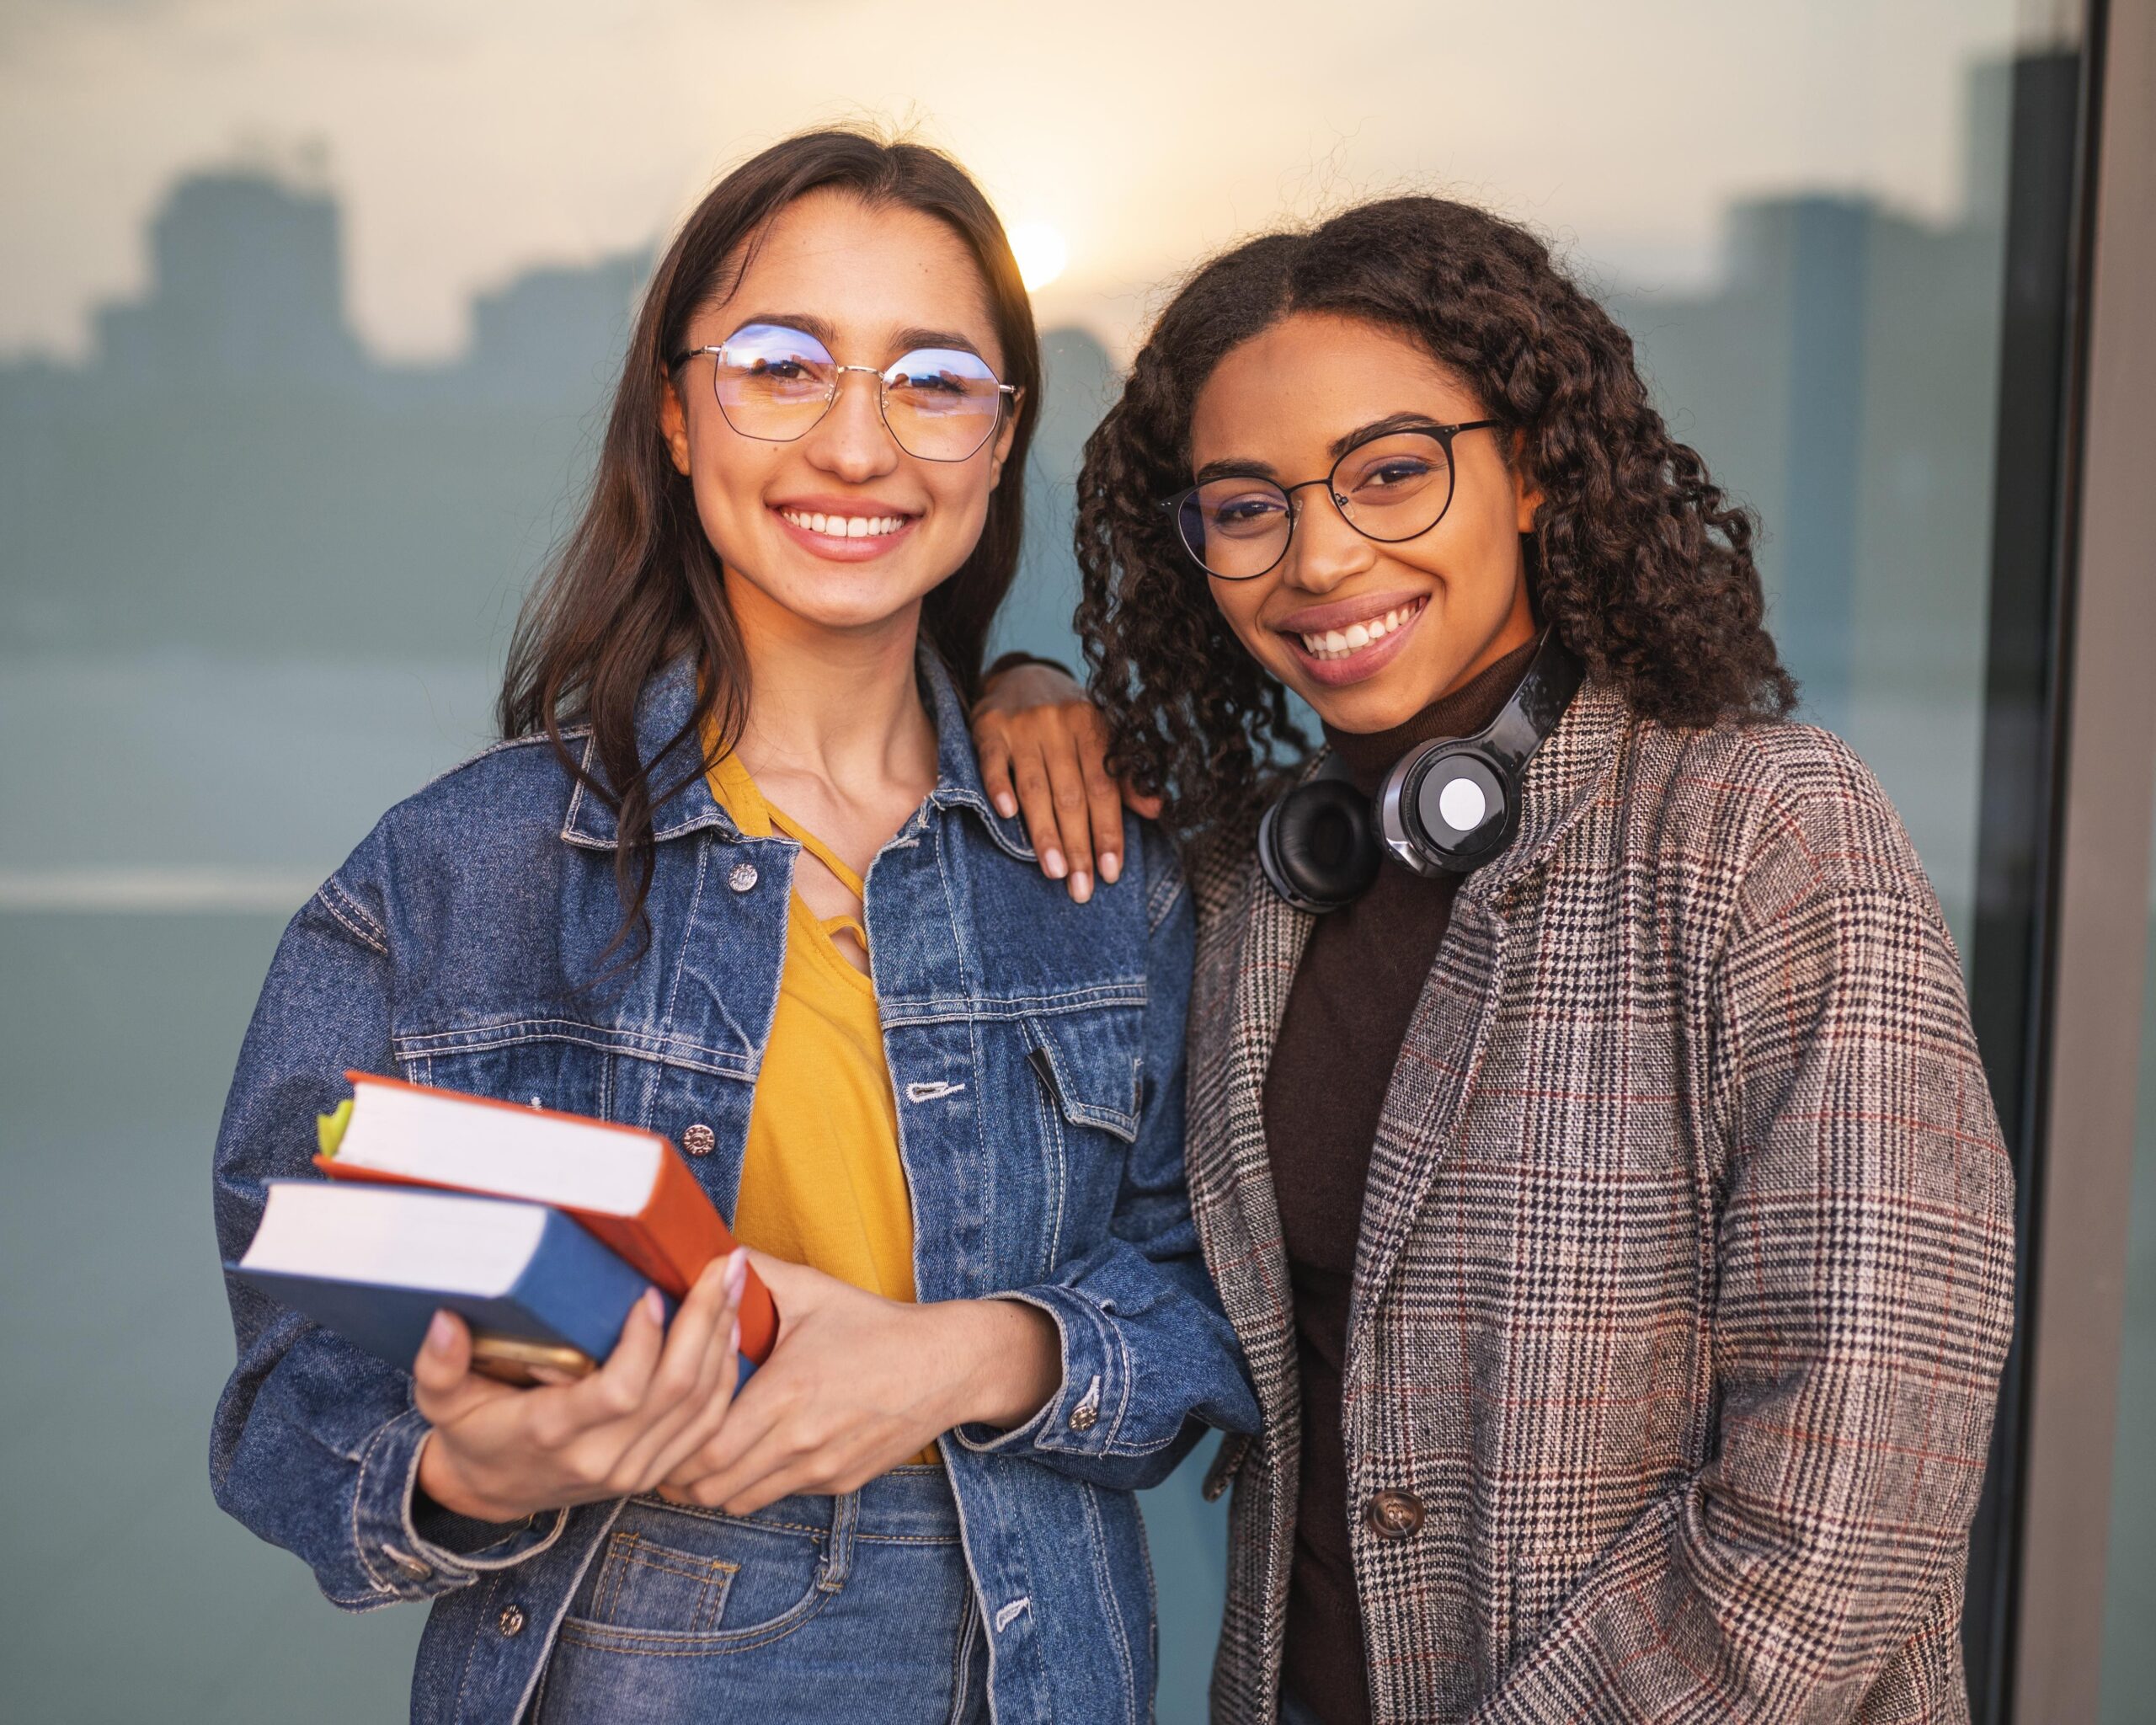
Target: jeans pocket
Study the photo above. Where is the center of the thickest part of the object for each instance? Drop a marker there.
(687, 1581)
(645, 1585)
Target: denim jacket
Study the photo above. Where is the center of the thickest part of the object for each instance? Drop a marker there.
(1036, 1050)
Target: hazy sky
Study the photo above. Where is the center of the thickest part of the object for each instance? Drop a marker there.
(467, 140)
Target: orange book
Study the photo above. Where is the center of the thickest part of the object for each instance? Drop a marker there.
(630, 1188)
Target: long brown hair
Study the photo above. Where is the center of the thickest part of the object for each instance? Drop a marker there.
(1638, 560)
(635, 584)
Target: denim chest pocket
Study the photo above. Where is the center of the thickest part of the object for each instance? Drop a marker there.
(1089, 1097)
(552, 1067)
(1091, 1070)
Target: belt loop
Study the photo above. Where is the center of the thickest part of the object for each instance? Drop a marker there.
(837, 1560)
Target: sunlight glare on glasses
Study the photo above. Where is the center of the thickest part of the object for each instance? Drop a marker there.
(1040, 251)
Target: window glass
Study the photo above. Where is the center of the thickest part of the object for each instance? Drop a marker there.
(306, 317)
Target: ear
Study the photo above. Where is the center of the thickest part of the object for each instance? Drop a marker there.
(1526, 491)
(674, 424)
(1004, 438)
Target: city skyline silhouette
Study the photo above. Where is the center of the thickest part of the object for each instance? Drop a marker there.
(231, 473)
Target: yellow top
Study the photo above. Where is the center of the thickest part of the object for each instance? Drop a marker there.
(821, 1181)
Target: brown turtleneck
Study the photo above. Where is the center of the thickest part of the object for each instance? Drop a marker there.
(1348, 1014)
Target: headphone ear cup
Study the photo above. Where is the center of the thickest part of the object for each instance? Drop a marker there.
(1318, 846)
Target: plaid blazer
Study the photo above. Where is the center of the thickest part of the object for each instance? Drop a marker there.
(1685, 1266)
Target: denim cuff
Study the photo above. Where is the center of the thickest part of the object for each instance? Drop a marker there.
(1082, 1417)
(401, 1559)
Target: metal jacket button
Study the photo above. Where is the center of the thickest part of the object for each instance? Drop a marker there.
(511, 1620)
(743, 879)
(1394, 1515)
(1084, 1417)
(699, 1139)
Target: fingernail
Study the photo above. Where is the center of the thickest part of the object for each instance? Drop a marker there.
(439, 1334)
(734, 1341)
(1006, 805)
(1111, 867)
(1052, 860)
(737, 1275)
(654, 1305)
(1082, 886)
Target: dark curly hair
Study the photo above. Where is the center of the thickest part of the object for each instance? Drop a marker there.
(1637, 559)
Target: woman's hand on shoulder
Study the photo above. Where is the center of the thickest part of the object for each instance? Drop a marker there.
(859, 1385)
(1043, 753)
(498, 1453)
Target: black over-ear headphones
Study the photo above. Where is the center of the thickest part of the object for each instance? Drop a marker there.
(1446, 807)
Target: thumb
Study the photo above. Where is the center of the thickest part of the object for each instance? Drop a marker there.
(443, 1385)
(794, 1287)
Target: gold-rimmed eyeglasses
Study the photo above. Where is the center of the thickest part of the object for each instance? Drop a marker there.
(773, 383)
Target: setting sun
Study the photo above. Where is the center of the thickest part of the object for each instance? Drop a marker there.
(1041, 254)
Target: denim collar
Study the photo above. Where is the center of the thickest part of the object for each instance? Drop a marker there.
(663, 709)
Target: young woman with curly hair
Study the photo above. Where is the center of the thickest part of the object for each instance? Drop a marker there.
(1608, 1201)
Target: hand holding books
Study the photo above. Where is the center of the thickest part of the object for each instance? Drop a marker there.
(860, 1384)
(498, 1453)
(495, 1241)
(480, 1240)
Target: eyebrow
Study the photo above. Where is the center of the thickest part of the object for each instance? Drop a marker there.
(1379, 428)
(904, 341)
(1243, 468)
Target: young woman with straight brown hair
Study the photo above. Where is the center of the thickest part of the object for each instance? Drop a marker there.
(1586, 1130)
(732, 876)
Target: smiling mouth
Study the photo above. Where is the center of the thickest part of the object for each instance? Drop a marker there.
(1345, 644)
(837, 527)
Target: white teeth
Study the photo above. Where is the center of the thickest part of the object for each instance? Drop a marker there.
(1338, 643)
(844, 526)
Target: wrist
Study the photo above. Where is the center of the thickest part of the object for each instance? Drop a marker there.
(1007, 1360)
(439, 1479)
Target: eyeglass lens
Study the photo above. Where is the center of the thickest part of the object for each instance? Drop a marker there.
(775, 383)
(1390, 489)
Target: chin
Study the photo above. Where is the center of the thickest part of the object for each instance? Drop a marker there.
(866, 598)
(1377, 705)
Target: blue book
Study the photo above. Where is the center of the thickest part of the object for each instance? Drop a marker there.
(374, 1263)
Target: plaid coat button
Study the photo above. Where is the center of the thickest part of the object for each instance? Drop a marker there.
(1394, 1515)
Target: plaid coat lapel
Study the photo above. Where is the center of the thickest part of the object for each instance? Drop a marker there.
(1249, 945)
(1452, 1020)
(1258, 940)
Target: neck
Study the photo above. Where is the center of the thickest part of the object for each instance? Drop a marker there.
(838, 705)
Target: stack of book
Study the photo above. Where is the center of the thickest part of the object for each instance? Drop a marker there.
(541, 1229)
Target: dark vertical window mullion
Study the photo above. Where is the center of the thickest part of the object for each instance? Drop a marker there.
(2028, 678)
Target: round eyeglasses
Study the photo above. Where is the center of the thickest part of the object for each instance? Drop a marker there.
(774, 383)
(1391, 487)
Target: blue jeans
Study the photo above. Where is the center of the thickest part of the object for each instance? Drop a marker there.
(815, 1610)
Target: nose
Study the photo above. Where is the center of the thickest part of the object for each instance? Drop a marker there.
(851, 442)
(1324, 550)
